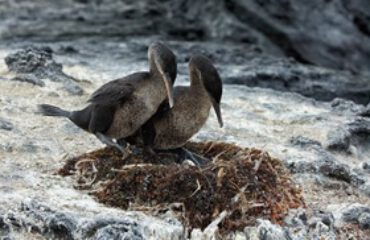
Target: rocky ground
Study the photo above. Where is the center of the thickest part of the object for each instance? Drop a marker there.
(297, 85)
(324, 144)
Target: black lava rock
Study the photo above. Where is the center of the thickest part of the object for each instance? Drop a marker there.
(36, 63)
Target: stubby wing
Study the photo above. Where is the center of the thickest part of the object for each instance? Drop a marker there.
(117, 91)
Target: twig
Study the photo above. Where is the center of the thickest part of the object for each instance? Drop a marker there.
(126, 167)
(196, 190)
(257, 165)
(236, 198)
(218, 156)
(87, 184)
(220, 175)
(212, 227)
(77, 164)
(210, 147)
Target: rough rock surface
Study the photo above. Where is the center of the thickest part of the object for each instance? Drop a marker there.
(334, 34)
(40, 220)
(33, 64)
(324, 144)
(5, 125)
(288, 75)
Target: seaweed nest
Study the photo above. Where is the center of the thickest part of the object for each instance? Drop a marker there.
(234, 189)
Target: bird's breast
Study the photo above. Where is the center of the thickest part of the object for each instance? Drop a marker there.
(182, 122)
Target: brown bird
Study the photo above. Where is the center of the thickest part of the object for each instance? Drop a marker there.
(171, 128)
(120, 107)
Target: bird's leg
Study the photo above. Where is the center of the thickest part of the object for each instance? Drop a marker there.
(108, 141)
(122, 142)
(150, 151)
(126, 144)
(195, 158)
(153, 155)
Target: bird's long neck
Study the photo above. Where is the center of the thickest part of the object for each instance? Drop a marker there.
(196, 84)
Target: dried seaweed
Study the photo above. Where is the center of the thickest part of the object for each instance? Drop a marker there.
(236, 187)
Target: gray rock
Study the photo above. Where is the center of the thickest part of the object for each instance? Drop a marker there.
(73, 88)
(4, 228)
(265, 230)
(36, 63)
(30, 78)
(325, 220)
(53, 224)
(45, 220)
(356, 132)
(314, 225)
(346, 106)
(353, 213)
(366, 111)
(6, 125)
(325, 163)
(30, 146)
(319, 226)
(286, 75)
(364, 220)
(110, 228)
(336, 170)
(339, 139)
(303, 141)
(33, 60)
(366, 166)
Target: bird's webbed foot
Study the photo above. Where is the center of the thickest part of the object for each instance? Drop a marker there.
(109, 142)
(185, 154)
(194, 157)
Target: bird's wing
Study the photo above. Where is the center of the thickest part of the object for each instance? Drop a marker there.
(117, 91)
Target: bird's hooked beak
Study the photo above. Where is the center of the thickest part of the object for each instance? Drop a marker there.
(215, 104)
(169, 88)
(216, 107)
(167, 80)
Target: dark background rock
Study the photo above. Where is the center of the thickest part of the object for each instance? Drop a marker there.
(327, 33)
(287, 75)
(333, 34)
(366, 112)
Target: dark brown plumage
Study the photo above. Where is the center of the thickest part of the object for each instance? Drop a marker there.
(172, 128)
(120, 107)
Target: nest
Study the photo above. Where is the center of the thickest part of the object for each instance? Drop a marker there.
(235, 188)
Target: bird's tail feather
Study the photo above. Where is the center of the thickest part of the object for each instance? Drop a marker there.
(50, 110)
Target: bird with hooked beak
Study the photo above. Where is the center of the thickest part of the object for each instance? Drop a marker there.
(120, 107)
(171, 128)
